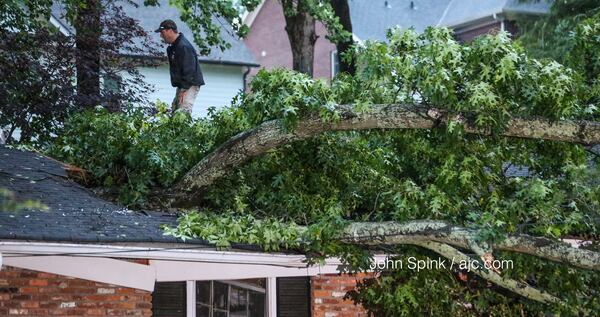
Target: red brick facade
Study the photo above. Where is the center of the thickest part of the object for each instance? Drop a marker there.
(327, 296)
(269, 44)
(471, 34)
(31, 293)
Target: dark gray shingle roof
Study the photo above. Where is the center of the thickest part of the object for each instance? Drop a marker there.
(463, 11)
(75, 214)
(371, 19)
(150, 17)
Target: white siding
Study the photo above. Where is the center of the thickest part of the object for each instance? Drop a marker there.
(223, 82)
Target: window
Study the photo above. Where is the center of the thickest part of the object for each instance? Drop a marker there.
(230, 299)
(168, 299)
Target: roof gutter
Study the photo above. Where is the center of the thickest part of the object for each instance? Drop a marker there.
(193, 254)
(220, 62)
(201, 60)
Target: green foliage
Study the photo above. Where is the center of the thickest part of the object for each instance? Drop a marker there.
(552, 35)
(286, 95)
(400, 292)
(23, 15)
(325, 181)
(132, 151)
(271, 234)
(8, 202)
(584, 57)
(200, 15)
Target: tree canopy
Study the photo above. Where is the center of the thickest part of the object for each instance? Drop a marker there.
(473, 152)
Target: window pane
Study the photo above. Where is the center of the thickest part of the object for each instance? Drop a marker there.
(202, 311)
(238, 302)
(220, 295)
(203, 292)
(168, 299)
(260, 282)
(219, 313)
(256, 305)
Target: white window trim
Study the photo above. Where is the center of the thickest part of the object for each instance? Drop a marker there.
(245, 286)
(190, 293)
(270, 298)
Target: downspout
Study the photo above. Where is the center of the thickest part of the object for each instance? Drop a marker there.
(245, 75)
(495, 16)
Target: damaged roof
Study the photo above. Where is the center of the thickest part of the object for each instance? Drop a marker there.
(75, 214)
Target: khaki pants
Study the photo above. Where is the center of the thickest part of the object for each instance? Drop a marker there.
(184, 99)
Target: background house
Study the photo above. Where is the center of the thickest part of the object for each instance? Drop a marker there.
(224, 71)
(268, 41)
(86, 256)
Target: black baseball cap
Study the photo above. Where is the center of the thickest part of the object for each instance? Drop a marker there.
(166, 24)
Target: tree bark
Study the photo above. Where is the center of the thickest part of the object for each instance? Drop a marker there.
(342, 11)
(516, 287)
(300, 27)
(272, 134)
(87, 41)
(440, 237)
(417, 232)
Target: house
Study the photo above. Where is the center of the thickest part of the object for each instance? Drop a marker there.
(88, 256)
(224, 71)
(269, 44)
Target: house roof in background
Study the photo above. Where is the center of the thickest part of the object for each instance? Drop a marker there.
(460, 12)
(149, 18)
(371, 19)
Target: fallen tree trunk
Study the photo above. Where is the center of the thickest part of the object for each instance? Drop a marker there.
(272, 134)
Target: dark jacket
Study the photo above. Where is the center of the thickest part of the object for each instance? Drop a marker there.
(183, 64)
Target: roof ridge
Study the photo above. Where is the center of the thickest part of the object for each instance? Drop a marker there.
(445, 13)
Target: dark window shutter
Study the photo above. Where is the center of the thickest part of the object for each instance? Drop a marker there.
(168, 299)
(293, 296)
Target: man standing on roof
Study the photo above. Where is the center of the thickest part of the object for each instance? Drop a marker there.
(183, 65)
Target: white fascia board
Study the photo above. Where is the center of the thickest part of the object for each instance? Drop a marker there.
(228, 264)
(110, 271)
(191, 253)
(474, 26)
(249, 17)
(201, 271)
(474, 20)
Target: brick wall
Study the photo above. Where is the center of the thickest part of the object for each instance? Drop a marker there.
(467, 36)
(269, 44)
(31, 293)
(328, 293)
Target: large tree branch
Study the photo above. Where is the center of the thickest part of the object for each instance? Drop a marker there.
(422, 231)
(272, 134)
(440, 237)
(516, 287)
